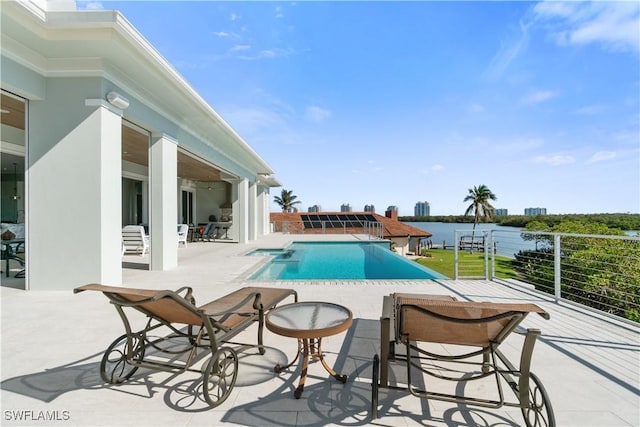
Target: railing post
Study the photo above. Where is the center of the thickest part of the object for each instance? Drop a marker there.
(557, 279)
(486, 255)
(493, 254)
(455, 254)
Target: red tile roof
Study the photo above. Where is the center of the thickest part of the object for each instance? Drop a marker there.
(392, 228)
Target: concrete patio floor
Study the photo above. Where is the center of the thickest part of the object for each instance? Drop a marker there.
(52, 343)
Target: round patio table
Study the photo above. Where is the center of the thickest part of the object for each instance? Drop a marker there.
(309, 322)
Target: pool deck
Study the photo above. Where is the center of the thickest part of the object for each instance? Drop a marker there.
(52, 343)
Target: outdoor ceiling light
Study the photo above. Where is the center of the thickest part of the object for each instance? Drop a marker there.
(117, 100)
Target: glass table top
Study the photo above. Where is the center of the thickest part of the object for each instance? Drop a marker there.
(309, 319)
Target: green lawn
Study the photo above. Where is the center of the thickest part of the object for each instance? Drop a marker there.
(469, 264)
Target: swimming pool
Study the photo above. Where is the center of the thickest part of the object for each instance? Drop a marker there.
(339, 260)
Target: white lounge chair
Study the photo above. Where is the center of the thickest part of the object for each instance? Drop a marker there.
(183, 230)
(135, 240)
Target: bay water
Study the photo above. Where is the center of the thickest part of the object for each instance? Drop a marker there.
(508, 239)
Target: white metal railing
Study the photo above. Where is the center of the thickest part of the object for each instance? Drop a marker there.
(374, 229)
(598, 271)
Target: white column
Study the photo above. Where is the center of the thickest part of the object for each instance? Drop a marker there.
(74, 192)
(163, 186)
(241, 211)
(263, 210)
(145, 202)
(253, 211)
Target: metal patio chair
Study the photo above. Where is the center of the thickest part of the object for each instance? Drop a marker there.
(451, 340)
(190, 328)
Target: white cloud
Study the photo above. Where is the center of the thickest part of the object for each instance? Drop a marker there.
(476, 108)
(551, 9)
(613, 25)
(267, 54)
(555, 159)
(225, 35)
(240, 47)
(437, 168)
(256, 119)
(601, 156)
(508, 52)
(90, 5)
(234, 17)
(317, 114)
(539, 96)
(592, 109)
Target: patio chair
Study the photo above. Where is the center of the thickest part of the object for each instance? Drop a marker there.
(458, 341)
(8, 252)
(205, 231)
(191, 328)
(183, 230)
(135, 240)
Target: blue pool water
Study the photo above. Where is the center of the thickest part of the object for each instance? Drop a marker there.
(339, 260)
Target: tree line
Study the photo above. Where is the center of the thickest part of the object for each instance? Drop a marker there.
(621, 221)
(598, 272)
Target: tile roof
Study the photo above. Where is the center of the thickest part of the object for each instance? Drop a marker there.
(392, 227)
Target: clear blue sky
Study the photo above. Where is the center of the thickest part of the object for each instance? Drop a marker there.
(390, 103)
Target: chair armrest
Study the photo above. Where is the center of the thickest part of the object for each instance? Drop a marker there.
(188, 294)
(255, 296)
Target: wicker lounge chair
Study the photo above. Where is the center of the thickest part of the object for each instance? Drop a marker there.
(207, 327)
(135, 240)
(458, 341)
(183, 233)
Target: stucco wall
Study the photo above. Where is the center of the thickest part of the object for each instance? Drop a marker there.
(74, 195)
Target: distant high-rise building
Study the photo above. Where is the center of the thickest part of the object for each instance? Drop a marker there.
(502, 212)
(535, 211)
(315, 208)
(346, 207)
(422, 209)
(369, 208)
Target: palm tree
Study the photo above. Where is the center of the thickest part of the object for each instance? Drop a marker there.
(480, 206)
(286, 200)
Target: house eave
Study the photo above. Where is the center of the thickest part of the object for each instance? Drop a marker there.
(107, 45)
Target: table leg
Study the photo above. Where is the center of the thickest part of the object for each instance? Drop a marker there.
(278, 368)
(310, 348)
(305, 367)
(317, 353)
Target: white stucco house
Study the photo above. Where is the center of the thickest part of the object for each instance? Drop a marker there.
(99, 131)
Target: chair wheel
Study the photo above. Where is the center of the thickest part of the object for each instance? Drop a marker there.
(539, 413)
(115, 367)
(220, 375)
